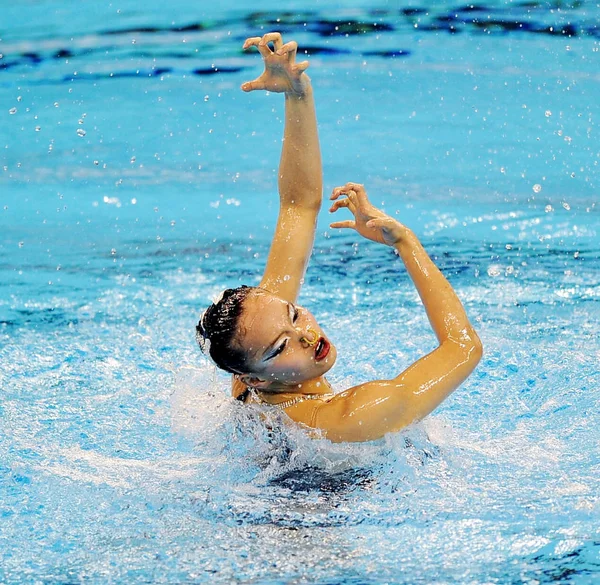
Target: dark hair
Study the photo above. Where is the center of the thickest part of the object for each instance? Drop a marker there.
(217, 327)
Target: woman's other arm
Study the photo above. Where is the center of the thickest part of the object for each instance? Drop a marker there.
(371, 410)
(300, 173)
(300, 178)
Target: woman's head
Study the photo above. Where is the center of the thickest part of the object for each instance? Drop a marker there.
(267, 341)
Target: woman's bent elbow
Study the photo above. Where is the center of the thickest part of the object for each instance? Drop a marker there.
(470, 346)
(474, 347)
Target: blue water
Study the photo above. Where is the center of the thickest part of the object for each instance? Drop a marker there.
(137, 181)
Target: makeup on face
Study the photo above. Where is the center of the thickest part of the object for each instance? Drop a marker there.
(294, 346)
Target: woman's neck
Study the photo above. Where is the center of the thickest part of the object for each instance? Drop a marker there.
(281, 392)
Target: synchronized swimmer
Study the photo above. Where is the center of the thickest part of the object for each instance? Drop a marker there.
(274, 348)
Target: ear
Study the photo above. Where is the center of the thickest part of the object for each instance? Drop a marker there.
(254, 381)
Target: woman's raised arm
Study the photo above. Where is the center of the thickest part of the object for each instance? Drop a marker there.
(371, 410)
(300, 173)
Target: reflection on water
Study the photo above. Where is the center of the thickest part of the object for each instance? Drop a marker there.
(157, 43)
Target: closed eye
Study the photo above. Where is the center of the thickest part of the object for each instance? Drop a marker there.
(294, 313)
(279, 350)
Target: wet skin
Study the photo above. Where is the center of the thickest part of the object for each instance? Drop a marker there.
(277, 336)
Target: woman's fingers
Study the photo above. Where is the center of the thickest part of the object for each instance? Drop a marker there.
(359, 192)
(337, 191)
(349, 223)
(251, 42)
(290, 48)
(356, 187)
(253, 85)
(347, 189)
(257, 42)
(369, 222)
(345, 202)
(302, 66)
(274, 38)
(262, 43)
(282, 73)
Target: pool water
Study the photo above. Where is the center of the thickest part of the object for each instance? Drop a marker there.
(137, 181)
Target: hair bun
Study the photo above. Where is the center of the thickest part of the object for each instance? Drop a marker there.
(217, 327)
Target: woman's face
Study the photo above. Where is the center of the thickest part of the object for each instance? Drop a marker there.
(283, 342)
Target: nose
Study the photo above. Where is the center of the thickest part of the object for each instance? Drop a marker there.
(310, 336)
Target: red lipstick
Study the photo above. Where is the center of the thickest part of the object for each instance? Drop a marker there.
(322, 349)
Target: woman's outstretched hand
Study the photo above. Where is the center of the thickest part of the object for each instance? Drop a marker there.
(282, 74)
(369, 222)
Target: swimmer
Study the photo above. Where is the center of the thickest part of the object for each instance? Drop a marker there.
(275, 349)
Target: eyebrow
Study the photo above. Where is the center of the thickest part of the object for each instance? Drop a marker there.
(271, 347)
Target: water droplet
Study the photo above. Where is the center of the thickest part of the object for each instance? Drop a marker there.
(80, 121)
(547, 113)
(19, 98)
(21, 244)
(96, 163)
(132, 160)
(56, 104)
(286, 277)
(494, 270)
(80, 132)
(12, 111)
(566, 206)
(38, 128)
(133, 201)
(548, 208)
(537, 188)
(172, 222)
(206, 98)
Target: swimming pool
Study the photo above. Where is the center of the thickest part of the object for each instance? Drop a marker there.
(137, 181)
